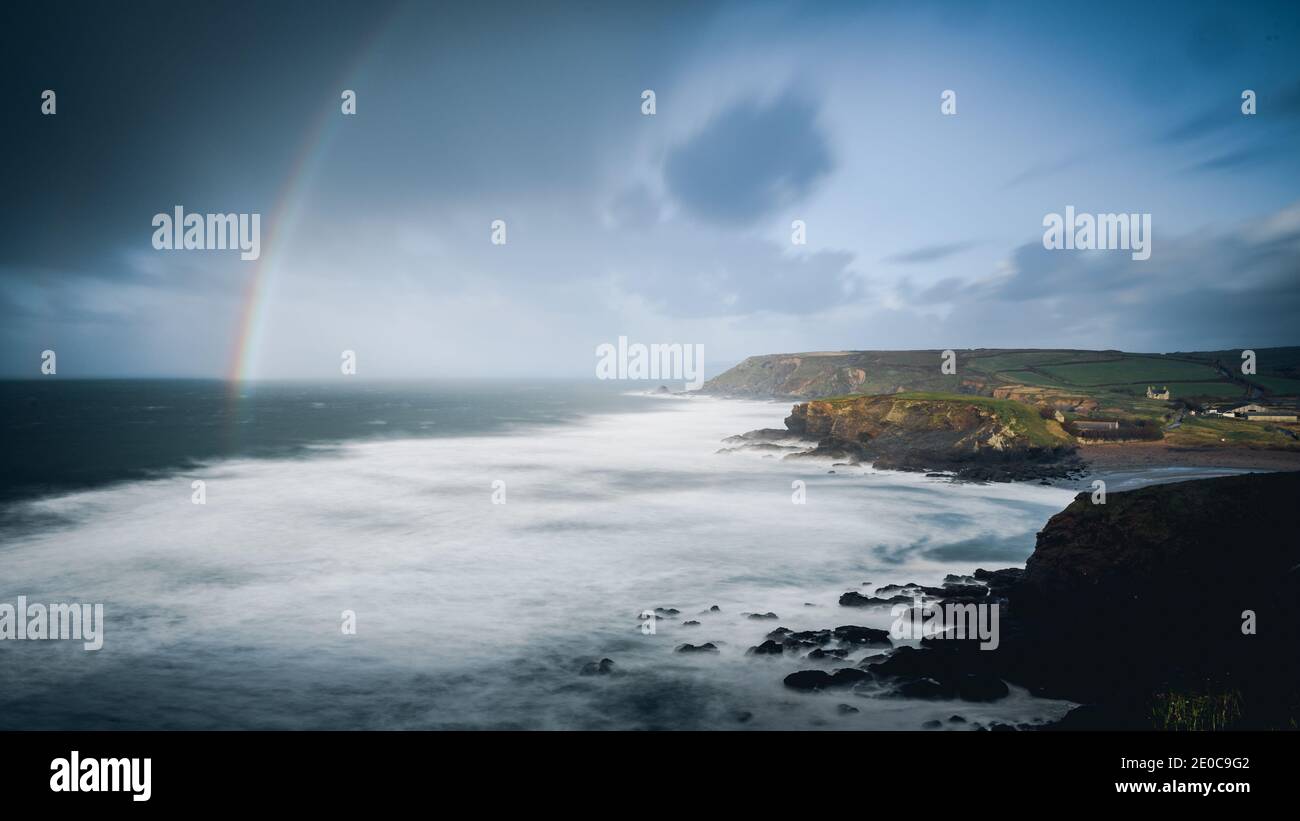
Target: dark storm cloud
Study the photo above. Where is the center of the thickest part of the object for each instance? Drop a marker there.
(1222, 289)
(216, 106)
(750, 160)
(168, 104)
(500, 103)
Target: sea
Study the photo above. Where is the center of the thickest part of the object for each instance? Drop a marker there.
(459, 555)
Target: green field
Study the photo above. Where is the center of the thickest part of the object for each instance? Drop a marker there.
(1278, 385)
(1209, 390)
(1209, 432)
(1130, 370)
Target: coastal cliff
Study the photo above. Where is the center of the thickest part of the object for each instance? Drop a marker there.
(1187, 590)
(832, 373)
(975, 437)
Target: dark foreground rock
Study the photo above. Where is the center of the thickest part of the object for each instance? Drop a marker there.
(1142, 607)
(1175, 606)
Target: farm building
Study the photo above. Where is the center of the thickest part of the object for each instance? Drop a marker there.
(1271, 416)
(1097, 425)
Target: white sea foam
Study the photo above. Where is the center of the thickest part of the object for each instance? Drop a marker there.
(477, 614)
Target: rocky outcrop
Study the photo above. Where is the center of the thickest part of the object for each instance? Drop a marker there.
(975, 437)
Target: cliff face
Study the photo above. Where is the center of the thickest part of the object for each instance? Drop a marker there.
(1236, 530)
(912, 431)
(1150, 591)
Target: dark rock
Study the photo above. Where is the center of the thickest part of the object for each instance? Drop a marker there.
(955, 719)
(846, 676)
(1091, 717)
(923, 688)
(897, 588)
(810, 637)
(833, 448)
(821, 680)
(980, 687)
(760, 435)
(827, 655)
(934, 674)
(767, 648)
(763, 616)
(846, 709)
(856, 599)
(863, 636)
(932, 724)
(963, 592)
(598, 668)
(708, 647)
(808, 680)
(691, 623)
(1000, 582)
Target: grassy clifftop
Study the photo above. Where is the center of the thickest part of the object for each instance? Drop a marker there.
(1004, 422)
(1202, 375)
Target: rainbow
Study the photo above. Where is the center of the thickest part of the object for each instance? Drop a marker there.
(289, 201)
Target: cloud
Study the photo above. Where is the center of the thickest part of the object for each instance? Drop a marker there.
(1046, 169)
(1234, 159)
(1207, 291)
(929, 253)
(749, 161)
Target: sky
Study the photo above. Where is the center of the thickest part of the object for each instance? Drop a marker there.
(923, 229)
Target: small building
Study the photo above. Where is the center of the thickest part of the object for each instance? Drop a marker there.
(1245, 409)
(1153, 394)
(1270, 416)
(1098, 424)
